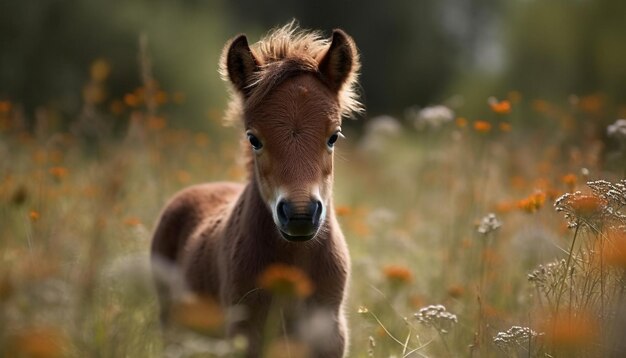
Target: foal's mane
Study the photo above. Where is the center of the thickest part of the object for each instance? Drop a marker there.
(281, 53)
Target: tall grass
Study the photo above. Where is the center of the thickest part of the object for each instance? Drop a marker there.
(456, 247)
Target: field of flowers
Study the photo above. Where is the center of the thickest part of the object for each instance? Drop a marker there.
(495, 236)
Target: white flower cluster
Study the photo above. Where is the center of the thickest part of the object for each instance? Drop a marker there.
(431, 117)
(489, 224)
(436, 316)
(514, 336)
(617, 130)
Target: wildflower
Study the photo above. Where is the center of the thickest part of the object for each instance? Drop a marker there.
(549, 277)
(482, 126)
(615, 254)
(461, 122)
(286, 280)
(505, 127)
(117, 107)
(156, 122)
(161, 97)
(44, 342)
(437, 317)
(198, 313)
(532, 203)
(617, 130)
(6, 286)
(5, 106)
(371, 346)
(572, 330)
(430, 117)
(100, 70)
(541, 106)
(514, 96)
(132, 221)
(343, 210)
(58, 172)
(34, 215)
(286, 348)
(397, 274)
(183, 176)
(94, 93)
(456, 291)
(515, 336)
(131, 100)
(488, 224)
(591, 104)
(201, 140)
(569, 180)
(499, 107)
(178, 97)
(580, 208)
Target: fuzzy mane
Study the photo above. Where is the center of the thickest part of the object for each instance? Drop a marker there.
(282, 53)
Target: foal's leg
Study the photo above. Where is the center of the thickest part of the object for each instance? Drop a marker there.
(336, 341)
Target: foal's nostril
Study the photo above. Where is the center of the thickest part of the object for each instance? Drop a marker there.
(315, 208)
(283, 210)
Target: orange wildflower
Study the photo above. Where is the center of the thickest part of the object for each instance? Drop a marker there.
(592, 103)
(615, 253)
(343, 210)
(132, 221)
(198, 313)
(156, 123)
(541, 106)
(482, 126)
(183, 176)
(572, 330)
(532, 203)
(514, 96)
(461, 122)
(6, 286)
(131, 100)
(58, 172)
(570, 181)
(286, 280)
(587, 205)
(501, 107)
(5, 106)
(100, 70)
(397, 274)
(117, 107)
(456, 291)
(505, 126)
(42, 342)
(161, 97)
(178, 97)
(34, 215)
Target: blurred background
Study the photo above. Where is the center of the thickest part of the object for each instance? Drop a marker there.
(482, 118)
(413, 52)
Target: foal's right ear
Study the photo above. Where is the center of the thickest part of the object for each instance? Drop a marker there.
(240, 64)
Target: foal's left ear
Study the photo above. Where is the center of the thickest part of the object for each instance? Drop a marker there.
(239, 64)
(340, 60)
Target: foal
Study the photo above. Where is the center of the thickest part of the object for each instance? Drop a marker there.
(291, 91)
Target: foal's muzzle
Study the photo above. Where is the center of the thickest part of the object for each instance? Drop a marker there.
(299, 222)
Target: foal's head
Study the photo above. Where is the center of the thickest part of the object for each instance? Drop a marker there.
(291, 90)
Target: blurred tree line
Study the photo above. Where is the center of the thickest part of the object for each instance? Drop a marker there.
(413, 52)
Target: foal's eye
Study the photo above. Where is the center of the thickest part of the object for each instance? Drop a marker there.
(333, 138)
(254, 141)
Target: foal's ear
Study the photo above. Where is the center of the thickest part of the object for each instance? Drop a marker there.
(340, 60)
(239, 63)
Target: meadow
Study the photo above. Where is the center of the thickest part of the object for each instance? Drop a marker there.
(501, 235)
